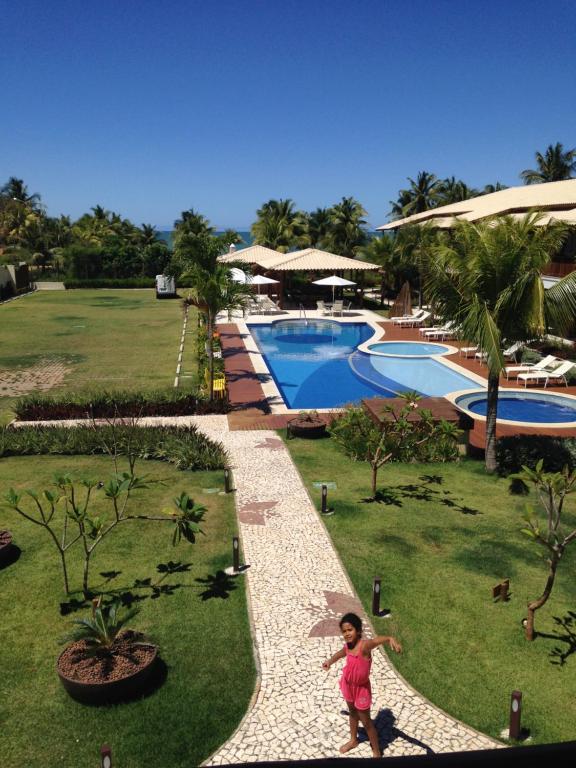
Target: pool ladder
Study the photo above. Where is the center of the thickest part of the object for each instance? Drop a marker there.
(302, 313)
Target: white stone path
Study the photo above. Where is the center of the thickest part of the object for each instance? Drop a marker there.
(297, 586)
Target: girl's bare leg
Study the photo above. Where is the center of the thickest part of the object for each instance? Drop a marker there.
(353, 713)
(366, 720)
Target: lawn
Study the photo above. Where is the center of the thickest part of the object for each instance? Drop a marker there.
(200, 624)
(99, 339)
(445, 535)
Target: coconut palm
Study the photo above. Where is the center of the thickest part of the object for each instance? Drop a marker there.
(421, 195)
(280, 226)
(487, 278)
(347, 232)
(318, 226)
(453, 190)
(554, 165)
(489, 188)
(15, 189)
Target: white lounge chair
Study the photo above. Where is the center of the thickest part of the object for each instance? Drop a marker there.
(546, 362)
(466, 351)
(402, 318)
(510, 352)
(558, 374)
(414, 321)
(448, 330)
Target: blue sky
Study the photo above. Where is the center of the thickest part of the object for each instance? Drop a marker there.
(150, 108)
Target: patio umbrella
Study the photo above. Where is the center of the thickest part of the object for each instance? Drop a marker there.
(238, 275)
(333, 280)
(261, 280)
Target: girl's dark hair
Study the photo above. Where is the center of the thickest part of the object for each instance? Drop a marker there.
(352, 618)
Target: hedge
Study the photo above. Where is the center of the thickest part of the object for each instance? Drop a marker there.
(512, 453)
(119, 282)
(184, 447)
(117, 404)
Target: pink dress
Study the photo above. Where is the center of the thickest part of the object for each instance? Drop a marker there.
(355, 680)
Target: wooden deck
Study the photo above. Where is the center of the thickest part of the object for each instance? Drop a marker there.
(250, 409)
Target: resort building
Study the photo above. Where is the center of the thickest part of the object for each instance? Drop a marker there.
(556, 200)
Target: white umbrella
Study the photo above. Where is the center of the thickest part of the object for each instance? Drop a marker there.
(238, 275)
(261, 280)
(333, 280)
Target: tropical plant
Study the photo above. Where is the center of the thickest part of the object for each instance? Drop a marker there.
(65, 512)
(15, 189)
(419, 197)
(487, 279)
(279, 226)
(347, 231)
(556, 164)
(318, 225)
(488, 189)
(552, 489)
(407, 433)
(101, 629)
(453, 190)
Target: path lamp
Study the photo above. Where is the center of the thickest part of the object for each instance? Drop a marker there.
(515, 715)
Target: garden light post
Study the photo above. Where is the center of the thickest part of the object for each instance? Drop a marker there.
(376, 590)
(324, 507)
(228, 480)
(515, 715)
(105, 756)
(235, 554)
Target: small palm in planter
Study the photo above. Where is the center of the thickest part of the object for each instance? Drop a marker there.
(106, 662)
(306, 424)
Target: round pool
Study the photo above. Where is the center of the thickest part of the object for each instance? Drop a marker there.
(526, 407)
(409, 348)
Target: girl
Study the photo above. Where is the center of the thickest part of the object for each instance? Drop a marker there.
(355, 680)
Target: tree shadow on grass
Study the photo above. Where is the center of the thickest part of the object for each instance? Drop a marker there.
(566, 634)
(427, 490)
(491, 557)
(217, 585)
(128, 595)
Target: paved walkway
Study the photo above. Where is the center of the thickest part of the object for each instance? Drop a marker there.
(297, 590)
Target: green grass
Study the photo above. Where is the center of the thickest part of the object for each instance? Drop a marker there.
(205, 643)
(110, 339)
(438, 564)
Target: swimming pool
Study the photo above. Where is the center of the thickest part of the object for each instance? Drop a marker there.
(316, 364)
(519, 406)
(409, 348)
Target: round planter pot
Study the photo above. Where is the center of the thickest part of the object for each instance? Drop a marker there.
(311, 429)
(5, 546)
(108, 692)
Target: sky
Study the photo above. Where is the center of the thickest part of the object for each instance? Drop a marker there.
(150, 108)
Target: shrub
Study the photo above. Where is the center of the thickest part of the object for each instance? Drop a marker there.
(109, 282)
(184, 447)
(109, 405)
(512, 453)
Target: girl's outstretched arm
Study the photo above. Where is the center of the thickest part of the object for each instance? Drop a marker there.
(382, 640)
(339, 655)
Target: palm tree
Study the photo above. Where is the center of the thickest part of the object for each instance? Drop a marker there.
(318, 226)
(453, 190)
(554, 165)
(421, 195)
(192, 223)
(147, 235)
(487, 278)
(15, 189)
(347, 233)
(280, 226)
(213, 289)
(489, 188)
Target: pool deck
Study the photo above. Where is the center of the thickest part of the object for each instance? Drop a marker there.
(250, 404)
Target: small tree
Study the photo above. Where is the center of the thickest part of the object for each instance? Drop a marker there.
(66, 515)
(552, 489)
(404, 436)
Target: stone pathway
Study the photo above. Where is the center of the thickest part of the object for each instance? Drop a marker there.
(297, 591)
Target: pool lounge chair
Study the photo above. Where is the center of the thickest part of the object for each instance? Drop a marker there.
(509, 352)
(415, 321)
(269, 306)
(447, 331)
(546, 362)
(466, 351)
(401, 318)
(558, 374)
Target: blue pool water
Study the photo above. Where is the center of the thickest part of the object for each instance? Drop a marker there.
(534, 407)
(316, 365)
(408, 348)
